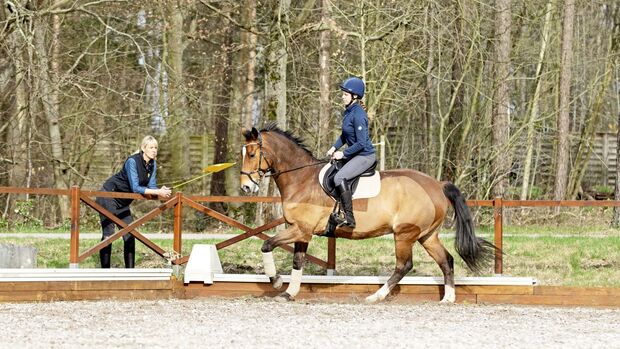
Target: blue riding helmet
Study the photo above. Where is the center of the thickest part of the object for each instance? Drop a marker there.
(354, 85)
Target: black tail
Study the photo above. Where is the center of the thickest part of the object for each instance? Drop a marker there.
(476, 252)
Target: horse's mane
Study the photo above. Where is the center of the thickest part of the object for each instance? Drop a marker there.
(273, 127)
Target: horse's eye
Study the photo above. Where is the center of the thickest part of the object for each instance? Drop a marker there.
(252, 155)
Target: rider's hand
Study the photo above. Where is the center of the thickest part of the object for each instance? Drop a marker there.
(338, 155)
(331, 151)
(164, 192)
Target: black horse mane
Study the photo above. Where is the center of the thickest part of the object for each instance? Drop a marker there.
(273, 127)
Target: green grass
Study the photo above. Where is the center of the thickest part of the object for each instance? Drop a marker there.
(570, 261)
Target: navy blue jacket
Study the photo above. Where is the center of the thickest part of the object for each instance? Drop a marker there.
(134, 177)
(355, 132)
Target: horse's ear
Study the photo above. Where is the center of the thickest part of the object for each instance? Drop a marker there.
(254, 132)
(246, 133)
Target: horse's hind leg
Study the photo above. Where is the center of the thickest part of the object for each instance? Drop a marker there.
(439, 253)
(404, 264)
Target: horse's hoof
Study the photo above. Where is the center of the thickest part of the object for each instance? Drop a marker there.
(283, 297)
(372, 299)
(276, 281)
(447, 300)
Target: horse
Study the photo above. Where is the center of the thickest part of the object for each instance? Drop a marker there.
(411, 205)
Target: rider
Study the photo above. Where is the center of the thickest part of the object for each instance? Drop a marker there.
(360, 153)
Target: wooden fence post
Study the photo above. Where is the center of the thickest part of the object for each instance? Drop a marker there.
(331, 255)
(74, 249)
(498, 208)
(178, 218)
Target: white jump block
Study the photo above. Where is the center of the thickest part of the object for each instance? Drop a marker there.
(203, 263)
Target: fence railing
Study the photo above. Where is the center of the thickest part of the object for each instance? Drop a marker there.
(180, 200)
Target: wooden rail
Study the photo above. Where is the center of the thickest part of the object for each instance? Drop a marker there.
(179, 201)
(176, 202)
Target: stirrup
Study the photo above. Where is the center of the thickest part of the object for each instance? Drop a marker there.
(331, 225)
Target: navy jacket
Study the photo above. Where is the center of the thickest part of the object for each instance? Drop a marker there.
(135, 177)
(355, 132)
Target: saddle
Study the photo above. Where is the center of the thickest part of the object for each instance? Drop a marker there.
(366, 185)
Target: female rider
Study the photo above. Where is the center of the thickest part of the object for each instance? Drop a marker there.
(360, 153)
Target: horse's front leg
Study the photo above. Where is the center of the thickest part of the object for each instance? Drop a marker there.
(299, 259)
(292, 234)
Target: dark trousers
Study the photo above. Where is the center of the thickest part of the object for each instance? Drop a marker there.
(107, 227)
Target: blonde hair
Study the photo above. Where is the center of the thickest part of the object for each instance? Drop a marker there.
(146, 141)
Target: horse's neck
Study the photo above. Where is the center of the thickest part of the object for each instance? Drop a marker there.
(299, 169)
(299, 185)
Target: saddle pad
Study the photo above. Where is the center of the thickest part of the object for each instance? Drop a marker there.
(367, 187)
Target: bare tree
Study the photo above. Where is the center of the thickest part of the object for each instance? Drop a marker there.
(563, 147)
(534, 106)
(501, 100)
(325, 84)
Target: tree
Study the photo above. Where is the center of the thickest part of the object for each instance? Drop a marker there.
(563, 145)
(534, 105)
(501, 99)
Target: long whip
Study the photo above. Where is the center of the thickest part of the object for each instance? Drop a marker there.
(207, 171)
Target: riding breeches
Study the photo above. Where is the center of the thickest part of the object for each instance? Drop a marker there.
(354, 167)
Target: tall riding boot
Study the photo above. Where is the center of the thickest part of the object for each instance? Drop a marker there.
(105, 255)
(129, 252)
(347, 203)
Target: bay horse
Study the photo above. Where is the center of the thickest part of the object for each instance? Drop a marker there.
(411, 205)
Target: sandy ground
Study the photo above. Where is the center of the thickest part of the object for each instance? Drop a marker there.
(263, 323)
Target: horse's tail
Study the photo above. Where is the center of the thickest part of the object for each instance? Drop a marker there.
(475, 251)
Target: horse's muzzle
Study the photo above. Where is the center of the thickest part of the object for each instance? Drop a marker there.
(249, 188)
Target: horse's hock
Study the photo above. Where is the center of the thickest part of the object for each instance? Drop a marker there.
(15, 256)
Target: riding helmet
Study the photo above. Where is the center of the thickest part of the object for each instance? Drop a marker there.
(354, 85)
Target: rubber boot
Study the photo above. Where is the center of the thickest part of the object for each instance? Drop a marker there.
(104, 255)
(347, 204)
(129, 252)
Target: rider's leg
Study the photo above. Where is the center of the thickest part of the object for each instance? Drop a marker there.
(350, 170)
(346, 197)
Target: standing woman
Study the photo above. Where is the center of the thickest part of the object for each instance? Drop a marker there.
(360, 153)
(138, 175)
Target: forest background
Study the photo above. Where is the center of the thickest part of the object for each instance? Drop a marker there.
(502, 97)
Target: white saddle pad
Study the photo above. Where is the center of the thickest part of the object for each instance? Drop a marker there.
(367, 187)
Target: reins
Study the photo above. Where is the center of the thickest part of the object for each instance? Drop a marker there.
(320, 162)
(268, 173)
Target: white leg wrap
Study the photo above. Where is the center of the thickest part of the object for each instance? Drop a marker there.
(269, 264)
(293, 286)
(449, 294)
(379, 295)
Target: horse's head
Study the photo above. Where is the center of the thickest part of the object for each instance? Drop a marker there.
(253, 162)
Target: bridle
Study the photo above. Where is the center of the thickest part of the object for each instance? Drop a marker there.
(261, 173)
(267, 173)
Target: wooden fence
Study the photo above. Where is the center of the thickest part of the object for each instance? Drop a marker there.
(180, 200)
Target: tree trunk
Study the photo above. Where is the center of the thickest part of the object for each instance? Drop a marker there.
(324, 138)
(428, 90)
(456, 114)
(222, 113)
(18, 121)
(616, 67)
(275, 67)
(178, 139)
(563, 147)
(48, 95)
(248, 53)
(534, 107)
(501, 100)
